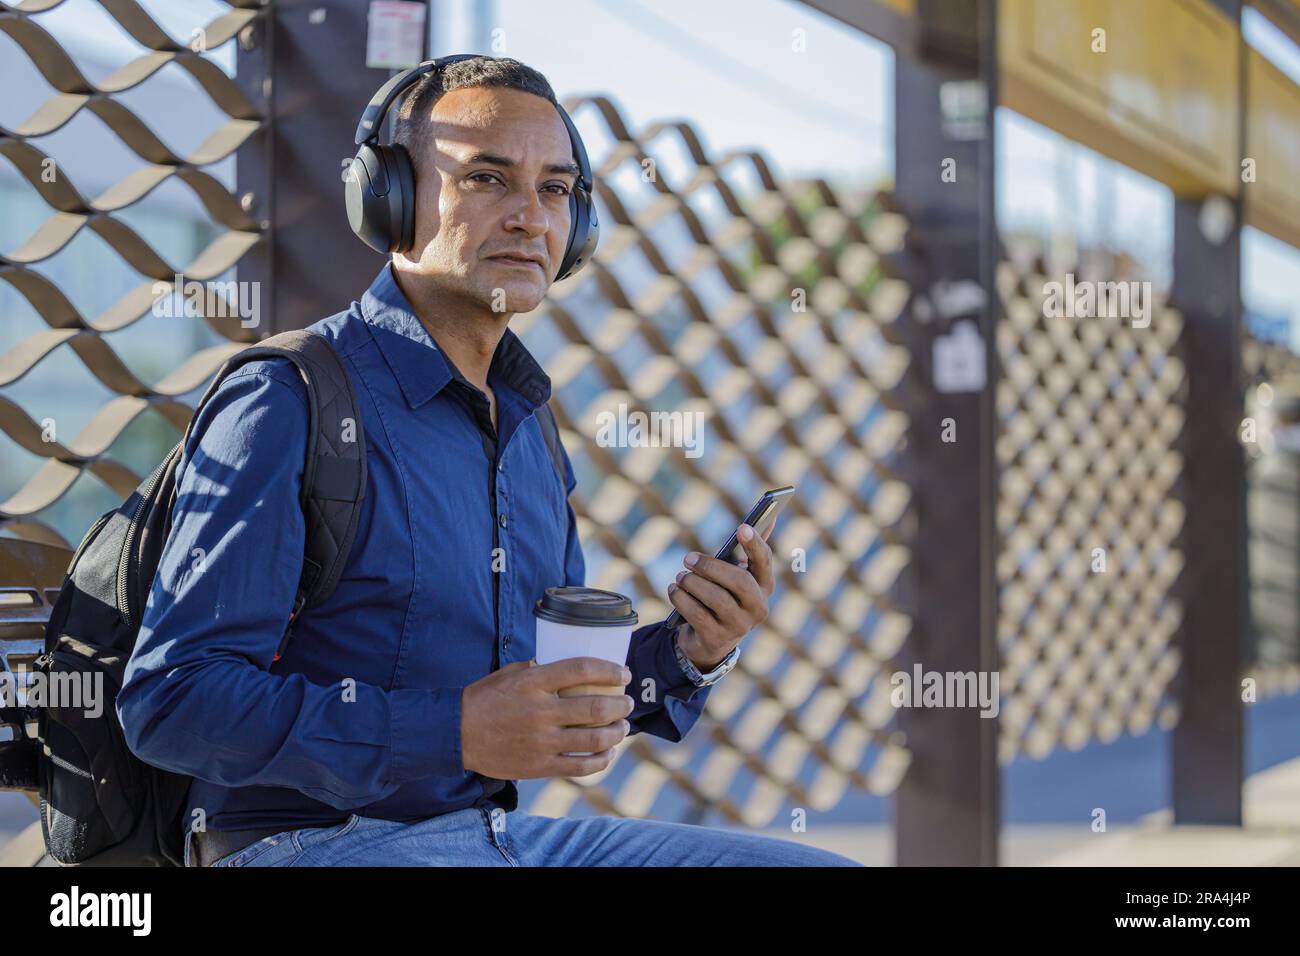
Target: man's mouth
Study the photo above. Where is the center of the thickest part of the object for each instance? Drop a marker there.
(522, 261)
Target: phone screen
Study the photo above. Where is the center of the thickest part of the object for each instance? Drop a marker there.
(760, 518)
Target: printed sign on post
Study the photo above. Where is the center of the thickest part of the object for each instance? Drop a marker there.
(959, 359)
(394, 34)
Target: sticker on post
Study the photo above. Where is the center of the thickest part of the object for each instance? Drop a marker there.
(394, 34)
(959, 359)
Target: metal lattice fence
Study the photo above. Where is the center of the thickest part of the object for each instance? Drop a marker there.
(1271, 375)
(1090, 413)
(767, 307)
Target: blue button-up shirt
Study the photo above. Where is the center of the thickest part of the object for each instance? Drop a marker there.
(361, 713)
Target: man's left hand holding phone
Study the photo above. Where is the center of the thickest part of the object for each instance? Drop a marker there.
(723, 602)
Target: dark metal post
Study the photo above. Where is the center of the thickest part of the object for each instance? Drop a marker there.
(305, 64)
(1208, 757)
(947, 807)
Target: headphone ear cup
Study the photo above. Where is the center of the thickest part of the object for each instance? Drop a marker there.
(379, 193)
(584, 233)
(401, 195)
(366, 196)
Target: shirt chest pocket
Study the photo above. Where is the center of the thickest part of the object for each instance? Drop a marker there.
(541, 496)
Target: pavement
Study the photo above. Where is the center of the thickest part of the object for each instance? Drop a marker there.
(1269, 836)
(17, 812)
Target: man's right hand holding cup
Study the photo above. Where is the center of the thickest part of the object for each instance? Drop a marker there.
(517, 725)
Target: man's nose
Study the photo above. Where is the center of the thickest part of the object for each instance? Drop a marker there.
(529, 214)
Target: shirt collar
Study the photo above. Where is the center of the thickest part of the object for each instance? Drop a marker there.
(421, 368)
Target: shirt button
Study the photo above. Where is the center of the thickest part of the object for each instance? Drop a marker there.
(501, 466)
(503, 521)
(505, 642)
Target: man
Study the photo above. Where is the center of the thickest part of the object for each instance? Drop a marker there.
(402, 709)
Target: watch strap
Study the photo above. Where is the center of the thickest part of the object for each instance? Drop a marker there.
(693, 673)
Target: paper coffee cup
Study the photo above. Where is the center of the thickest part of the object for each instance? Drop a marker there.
(584, 622)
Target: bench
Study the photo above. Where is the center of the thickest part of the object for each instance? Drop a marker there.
(30, 577)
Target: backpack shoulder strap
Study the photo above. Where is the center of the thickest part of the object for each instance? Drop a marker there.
(334, 473)
(551, 434)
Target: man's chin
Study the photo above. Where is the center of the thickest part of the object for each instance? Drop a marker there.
(515, 297)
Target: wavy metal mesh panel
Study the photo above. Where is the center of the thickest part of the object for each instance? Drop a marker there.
(1090, 412)
(688, 306)
(88, 336)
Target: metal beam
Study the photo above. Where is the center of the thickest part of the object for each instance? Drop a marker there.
(1208, 758)
(874, 18)
(947, 806)
(305, 63)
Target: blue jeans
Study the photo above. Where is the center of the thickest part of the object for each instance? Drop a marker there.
(480, 836)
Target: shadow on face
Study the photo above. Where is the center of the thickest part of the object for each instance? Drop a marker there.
(492, 198)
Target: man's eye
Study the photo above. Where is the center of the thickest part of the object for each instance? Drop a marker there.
(563, 189)
(491, 177)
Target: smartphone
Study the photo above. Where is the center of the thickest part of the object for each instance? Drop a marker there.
(760, 518)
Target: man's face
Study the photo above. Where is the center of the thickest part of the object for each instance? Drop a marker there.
(495, 182)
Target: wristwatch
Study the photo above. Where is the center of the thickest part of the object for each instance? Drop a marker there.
(693, 673)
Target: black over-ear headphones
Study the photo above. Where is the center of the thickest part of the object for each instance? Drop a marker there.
(380, 181)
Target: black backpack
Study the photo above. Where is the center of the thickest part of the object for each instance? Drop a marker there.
(100, 805)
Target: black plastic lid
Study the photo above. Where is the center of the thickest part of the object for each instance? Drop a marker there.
(585, 607)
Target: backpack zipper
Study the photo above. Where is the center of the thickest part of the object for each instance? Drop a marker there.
(122, 598)
(71, 768)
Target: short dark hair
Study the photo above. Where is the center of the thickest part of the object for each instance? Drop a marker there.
(411, 126)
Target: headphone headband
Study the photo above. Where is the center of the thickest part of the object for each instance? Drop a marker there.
(372, 118)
